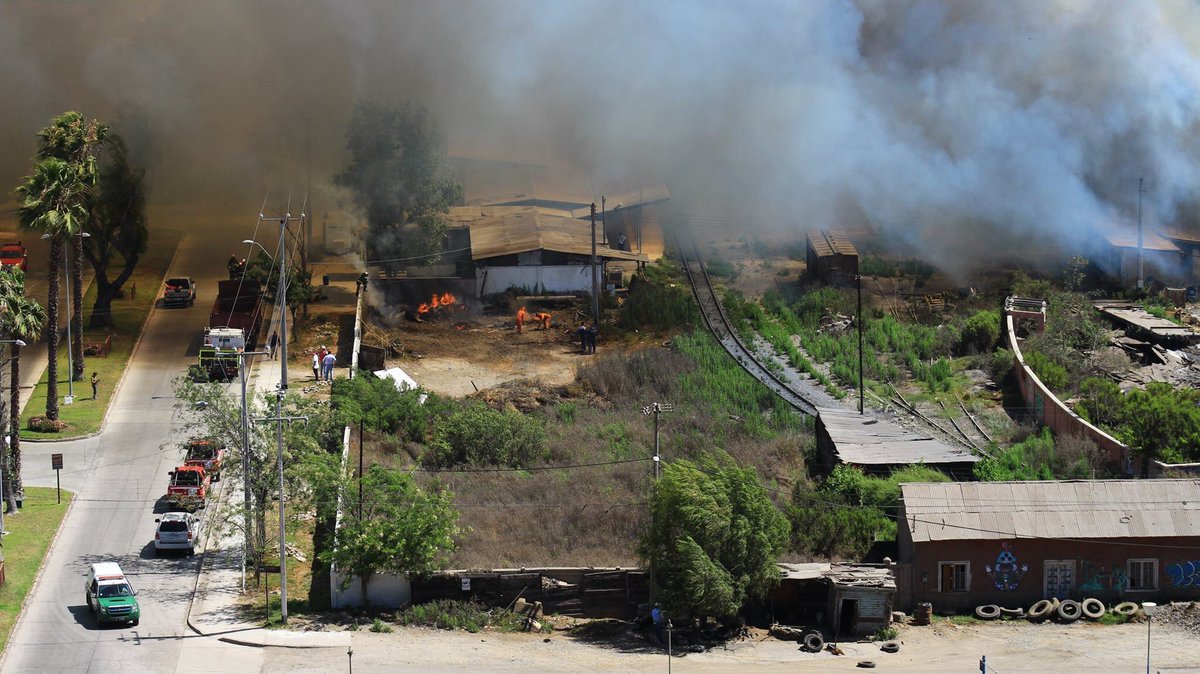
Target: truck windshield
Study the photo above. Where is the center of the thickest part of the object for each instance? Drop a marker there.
(10, 254)
(116, 590)
(205, 451)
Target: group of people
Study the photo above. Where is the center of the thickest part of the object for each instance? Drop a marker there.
(587, 337)
(322, 364)
(541, 319)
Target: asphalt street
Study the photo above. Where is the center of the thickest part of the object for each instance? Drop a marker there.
(119, 478)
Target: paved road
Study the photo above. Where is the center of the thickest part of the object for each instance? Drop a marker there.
(118, 478)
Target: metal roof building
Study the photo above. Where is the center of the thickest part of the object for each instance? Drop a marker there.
(880, 446)
(966, 544)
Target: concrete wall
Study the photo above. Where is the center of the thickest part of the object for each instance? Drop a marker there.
(1098, 568)
(1051, 411)
(550, 279)
(385, 590)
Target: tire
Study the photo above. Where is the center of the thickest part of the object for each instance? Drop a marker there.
(137, 620)
(987, 612)
(1092, 608)
(890, 647)
(866, 664)
(191, 552)
(1012, 612)
(1040, 610)
(1069, 611)
(813, 642)
(1126, 608)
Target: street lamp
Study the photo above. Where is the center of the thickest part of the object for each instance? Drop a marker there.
(1148, 608)
(252, 242)
(70, 347)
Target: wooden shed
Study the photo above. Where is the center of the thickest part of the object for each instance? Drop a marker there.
(832, 259)
(847, 600)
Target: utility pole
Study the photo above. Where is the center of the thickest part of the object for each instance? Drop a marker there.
(595, 275)
(281, 291)
(1141, 191)
(656, 409)
(246, 516)
(858, 284)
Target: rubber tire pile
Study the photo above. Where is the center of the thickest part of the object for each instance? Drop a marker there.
(1063, 611)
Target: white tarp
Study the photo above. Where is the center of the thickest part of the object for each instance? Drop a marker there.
(401, 379)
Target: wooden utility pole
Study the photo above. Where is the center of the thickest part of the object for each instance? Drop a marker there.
(595, 275)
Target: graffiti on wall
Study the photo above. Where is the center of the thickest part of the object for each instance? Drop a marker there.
(1094, 578)
(1183, 574)
(1005, 572)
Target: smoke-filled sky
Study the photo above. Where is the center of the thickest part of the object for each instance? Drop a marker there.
(945, 121)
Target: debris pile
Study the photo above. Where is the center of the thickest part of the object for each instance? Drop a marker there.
(1184, 615)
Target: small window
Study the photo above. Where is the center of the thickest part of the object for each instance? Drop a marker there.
(1143, 575)
(954, 576)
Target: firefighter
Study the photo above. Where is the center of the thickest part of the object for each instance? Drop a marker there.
(521, 316)
(542, 318)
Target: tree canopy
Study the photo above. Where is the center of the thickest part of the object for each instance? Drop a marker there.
(117, 224)
(399, 177)
(714, 537)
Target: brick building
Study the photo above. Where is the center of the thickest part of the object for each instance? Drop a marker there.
(963, 544)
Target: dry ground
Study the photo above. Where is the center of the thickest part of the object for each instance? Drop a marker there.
(1009, 647)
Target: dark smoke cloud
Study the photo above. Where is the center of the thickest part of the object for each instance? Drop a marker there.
(956, 125)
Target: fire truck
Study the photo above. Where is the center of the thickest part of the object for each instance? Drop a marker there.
(189, 487)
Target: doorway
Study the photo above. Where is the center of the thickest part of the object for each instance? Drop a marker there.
(848, 617)
(1058, 578)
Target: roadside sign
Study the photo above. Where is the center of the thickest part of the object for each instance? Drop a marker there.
(56, 461)
(56, 464)
(466, 584)
(268, 568)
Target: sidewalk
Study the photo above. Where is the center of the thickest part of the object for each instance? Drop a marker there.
(216, 610)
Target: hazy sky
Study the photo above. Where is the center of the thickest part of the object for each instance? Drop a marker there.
(953, 123)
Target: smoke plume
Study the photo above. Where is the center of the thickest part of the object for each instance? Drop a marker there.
(955, 126)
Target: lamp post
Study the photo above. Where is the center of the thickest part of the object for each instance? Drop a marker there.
(70, 347)
(245, 460)
(1148, 608)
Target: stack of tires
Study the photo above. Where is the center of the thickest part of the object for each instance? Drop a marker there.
(1063, 611)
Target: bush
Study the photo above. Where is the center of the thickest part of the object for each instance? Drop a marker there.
(475, 434)
(980, 332)
(1053, 375)
(380, 627)
(469, 616)
(43, 425)
(383, 408)
(886, 633)
(657, 301)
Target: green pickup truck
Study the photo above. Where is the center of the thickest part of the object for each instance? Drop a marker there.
(109, 595)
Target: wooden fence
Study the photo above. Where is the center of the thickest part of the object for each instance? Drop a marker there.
(578, 592)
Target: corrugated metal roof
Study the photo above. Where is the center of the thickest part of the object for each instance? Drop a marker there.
(864, 440)
(1052, 509)
(831, 242)
(527, 229)
(842, 574)
(1150, 241)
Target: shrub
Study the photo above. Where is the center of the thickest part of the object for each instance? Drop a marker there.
(980, 332)
(476, 434)
(886, 633)
(43, 425)
(657, 301)
(383, 408)
(380, 627)
(1053, 375)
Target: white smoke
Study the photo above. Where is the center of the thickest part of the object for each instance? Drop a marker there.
(959, 126)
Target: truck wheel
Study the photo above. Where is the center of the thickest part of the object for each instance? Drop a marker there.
(136, 621)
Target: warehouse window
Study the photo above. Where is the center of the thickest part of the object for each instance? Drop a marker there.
(954, 576)
(1143, 575)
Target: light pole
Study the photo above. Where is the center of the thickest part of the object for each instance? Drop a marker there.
(245, 460)
(1148, 608)
(70, 348)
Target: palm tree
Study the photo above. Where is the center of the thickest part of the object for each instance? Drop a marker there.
(21, 318)
(55, 202)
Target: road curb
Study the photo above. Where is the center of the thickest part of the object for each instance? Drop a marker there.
(37, 578)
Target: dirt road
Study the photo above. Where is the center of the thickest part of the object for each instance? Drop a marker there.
(1009, 647)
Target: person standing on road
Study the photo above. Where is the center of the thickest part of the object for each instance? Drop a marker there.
(273, 345)
(95, 384)
(593, 332)
(316, 367)
(583, 336)
(329, 362)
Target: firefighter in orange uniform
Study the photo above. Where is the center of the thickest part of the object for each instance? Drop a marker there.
(521, 316)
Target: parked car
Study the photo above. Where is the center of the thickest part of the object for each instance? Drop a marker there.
(188, 488)
(109, 595)
(177, 531)
(14, 255)
(180, 292)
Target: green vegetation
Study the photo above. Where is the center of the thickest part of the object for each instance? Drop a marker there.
(714, 537)
(25, 546)
(873, 265)
(473, 617)
(847, 512)
(475, 434)
(1039, 457)
(658, 300)
(886, 633)
(749, 316)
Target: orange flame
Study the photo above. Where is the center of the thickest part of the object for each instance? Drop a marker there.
(443, 301)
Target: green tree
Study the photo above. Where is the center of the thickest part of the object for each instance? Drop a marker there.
(980, 332)
(399, 177)
(117, 225)
(55, 201)
(1101, 402)
(400, 528)
(1162, 422)
(21, 318)
(714, 537)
